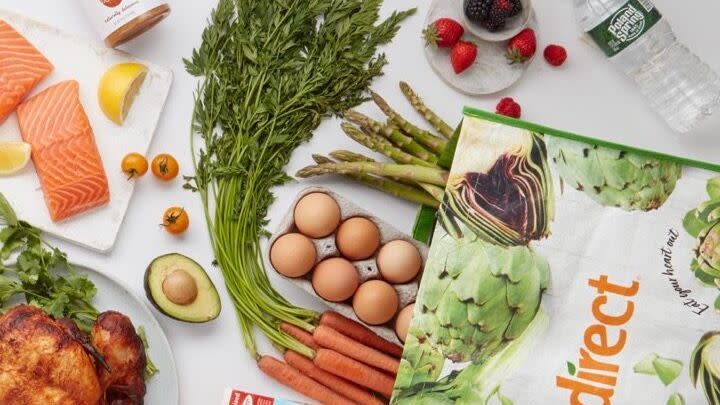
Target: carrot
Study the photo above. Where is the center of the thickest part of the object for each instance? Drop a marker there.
(299, 334)
(360, 333)
(359, 373)
(329, 338)
(292, 378)
(343, 387)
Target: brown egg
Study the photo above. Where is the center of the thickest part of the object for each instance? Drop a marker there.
(375, 302)
(399, 261)
(293, 255)
(335, 279)
(317, 215)
(358, 238)
(403, 321)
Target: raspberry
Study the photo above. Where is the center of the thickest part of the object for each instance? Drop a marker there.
(508, 107)
(555, 55)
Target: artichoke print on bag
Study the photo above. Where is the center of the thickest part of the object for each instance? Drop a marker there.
(705, 366)
(505, 198)
(703, 223)
(614, 178)
(487, 283)
(484, 297)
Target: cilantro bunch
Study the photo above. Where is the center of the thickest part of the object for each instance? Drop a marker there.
(41, 274)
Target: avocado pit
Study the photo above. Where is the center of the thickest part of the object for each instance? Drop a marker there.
(180, 287)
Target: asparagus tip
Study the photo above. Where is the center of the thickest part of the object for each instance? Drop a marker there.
(305, 172)
(320, 159)
(380, 102)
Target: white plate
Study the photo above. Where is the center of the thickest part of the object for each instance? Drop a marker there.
(85, 61)
(163, 388)
(491, 71)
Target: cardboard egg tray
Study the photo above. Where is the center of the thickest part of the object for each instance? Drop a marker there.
(367, 269)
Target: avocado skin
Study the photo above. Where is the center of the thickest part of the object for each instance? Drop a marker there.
(148, 289)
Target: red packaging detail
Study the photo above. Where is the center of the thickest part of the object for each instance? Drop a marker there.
(244, 398)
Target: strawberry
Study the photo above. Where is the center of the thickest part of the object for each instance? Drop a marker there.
(522, 46)
(508, 107)
(443, 33)
(555, 55)
(463, 55)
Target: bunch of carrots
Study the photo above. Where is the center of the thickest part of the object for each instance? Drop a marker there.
(350, 364)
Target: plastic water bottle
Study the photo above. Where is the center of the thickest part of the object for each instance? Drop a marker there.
(683, 89)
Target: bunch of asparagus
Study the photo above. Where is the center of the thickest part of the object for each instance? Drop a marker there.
(414, 174)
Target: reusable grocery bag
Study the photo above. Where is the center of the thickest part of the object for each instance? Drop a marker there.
(566, 270)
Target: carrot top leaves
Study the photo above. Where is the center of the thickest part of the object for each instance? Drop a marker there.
(269, 73)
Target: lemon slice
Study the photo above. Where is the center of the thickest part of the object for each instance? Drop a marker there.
(14, 156)
(118, 88)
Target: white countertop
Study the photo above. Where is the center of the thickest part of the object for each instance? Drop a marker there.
(585, 96)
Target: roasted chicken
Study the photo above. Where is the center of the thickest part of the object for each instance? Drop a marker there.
(51, 362)
(114, 336)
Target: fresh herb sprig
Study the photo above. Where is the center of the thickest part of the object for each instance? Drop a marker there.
(269, 73)
(150, 368)
(41, 273)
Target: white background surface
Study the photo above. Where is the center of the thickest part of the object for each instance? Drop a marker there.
(585, 96)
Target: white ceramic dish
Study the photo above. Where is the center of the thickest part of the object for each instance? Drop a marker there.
(490, 73)
(513, 26)
(367, 269)
(85, 61)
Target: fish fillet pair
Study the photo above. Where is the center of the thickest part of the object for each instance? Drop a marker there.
(54, 123)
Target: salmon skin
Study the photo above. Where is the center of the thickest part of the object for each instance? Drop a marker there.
(64, 152)
(22, 67)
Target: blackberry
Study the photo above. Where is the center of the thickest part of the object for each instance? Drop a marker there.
(477, 10)
(495, 20)
(517, 7)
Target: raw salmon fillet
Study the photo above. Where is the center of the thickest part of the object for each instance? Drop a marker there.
(22, 67)
(64, 152)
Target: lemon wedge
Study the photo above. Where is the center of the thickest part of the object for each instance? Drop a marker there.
(14, 156)
(118, 88)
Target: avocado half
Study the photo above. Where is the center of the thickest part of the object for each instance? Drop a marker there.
(206, 305)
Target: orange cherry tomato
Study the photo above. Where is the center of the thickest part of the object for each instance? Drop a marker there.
(165, 167)
(176, 220)
(134, 165)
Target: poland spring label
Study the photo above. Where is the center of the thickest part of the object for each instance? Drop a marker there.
(625, 26)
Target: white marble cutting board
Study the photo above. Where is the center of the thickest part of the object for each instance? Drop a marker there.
(86, 61)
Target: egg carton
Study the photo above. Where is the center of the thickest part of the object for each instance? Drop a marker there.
(367, 269)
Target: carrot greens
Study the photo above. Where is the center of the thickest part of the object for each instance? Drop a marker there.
(269, 72)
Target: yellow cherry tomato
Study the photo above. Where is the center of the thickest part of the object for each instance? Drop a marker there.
(165, 167)
(134, 165)
(176, 220)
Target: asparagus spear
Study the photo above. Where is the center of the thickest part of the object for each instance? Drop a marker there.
(383, 146)
(438, 193)
(347, 156)
(419, 174)
(425, 138)
(402, 141)
(425, 111)
(388, 186)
